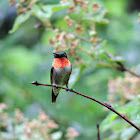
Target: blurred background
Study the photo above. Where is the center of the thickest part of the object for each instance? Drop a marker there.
(26, 56)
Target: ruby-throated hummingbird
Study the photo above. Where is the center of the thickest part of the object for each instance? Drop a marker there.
(60, 72)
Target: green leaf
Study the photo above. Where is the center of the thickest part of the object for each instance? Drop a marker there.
(76, 75)
(116, 59)
(97, 16)
(55, 7)
(131, 110)
(19, 20)
(50, 9)
(45, 12)
(60, 6)
(36, 11)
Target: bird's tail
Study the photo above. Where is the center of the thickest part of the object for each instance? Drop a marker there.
(54, 96)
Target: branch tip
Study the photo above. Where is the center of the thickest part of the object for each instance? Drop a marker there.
(35, 83)
(97, 125)
(98, 131)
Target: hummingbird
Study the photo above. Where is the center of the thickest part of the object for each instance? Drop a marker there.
(60, 72)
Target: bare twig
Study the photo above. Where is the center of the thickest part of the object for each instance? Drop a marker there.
(98, 132)
(107, 105)
(121, 66)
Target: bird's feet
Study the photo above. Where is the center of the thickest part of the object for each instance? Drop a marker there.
(67, 89)
(56, 86)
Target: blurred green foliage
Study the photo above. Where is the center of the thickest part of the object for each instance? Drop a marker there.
(26, 55)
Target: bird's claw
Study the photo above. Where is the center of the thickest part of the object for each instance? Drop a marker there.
(71, 90)
(67, 89)
(56, 86)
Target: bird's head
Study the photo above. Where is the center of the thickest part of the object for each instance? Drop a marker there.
(60, 54)
(60, 59)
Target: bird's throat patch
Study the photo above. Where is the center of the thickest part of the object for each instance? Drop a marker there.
(60, 62)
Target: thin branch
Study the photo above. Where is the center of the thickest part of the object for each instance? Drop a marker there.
(98, 132)
(120, 67)
(107, 105)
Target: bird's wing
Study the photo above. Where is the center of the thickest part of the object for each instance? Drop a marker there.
(54, 96)
(51, 74)
(69, 76)
(71, 69)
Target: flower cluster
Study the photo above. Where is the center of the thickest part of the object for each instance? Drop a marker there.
(71, 39)
(22, 5)
(41, 127)
(71, 133)
(123, 88)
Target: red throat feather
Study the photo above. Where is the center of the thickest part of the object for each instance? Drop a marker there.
(60, 62)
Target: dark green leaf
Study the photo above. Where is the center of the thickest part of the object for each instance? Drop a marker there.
(19, 20)
(131, 110)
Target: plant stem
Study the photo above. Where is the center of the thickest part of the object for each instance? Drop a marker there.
(98, 132)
